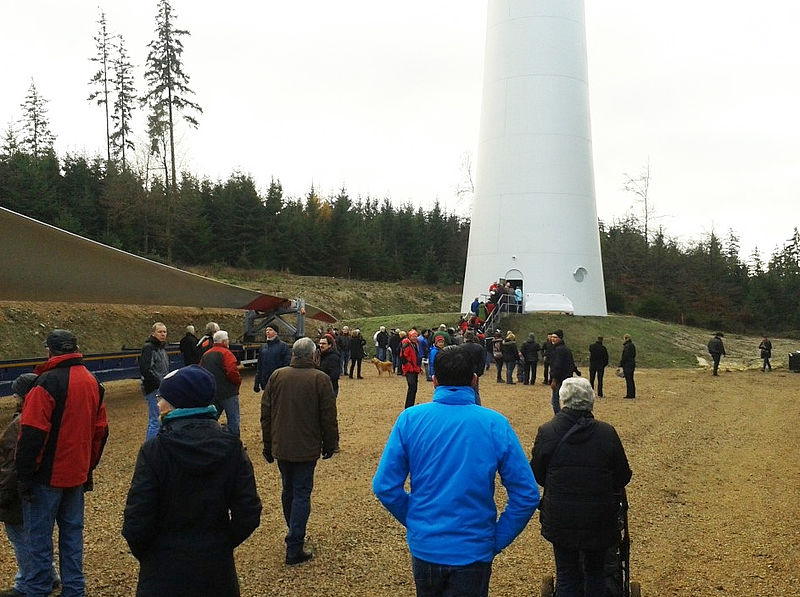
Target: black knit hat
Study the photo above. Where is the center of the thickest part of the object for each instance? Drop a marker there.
(188, 387)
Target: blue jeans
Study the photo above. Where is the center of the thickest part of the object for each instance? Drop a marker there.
(52, 505)
(298, 481)
(344, 357)
(381, 353)
(510, 371)
(231, 408)
(578, 576)
(16, 535)
(439, 580)
(153, 419)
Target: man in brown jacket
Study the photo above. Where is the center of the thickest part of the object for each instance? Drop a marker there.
(298, 418)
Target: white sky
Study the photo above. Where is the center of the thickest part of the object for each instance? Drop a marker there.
(384, 98)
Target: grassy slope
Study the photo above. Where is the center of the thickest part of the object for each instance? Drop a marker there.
(366, 305)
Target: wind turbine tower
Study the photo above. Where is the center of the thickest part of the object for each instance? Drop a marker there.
(534, 217)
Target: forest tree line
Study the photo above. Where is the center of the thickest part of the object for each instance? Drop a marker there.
(703, 283)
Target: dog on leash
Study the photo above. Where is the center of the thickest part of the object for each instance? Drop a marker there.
(382, 366)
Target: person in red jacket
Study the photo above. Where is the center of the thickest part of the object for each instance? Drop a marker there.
(63, 430)
(410, 360)
(222, 364)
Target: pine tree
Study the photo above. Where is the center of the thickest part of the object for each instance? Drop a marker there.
(36, 136)
(101, 78)
(123, 102)
(168, 91)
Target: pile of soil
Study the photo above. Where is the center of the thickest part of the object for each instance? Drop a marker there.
(714, 497)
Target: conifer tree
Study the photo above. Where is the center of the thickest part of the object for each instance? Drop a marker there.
(100, 80)
(123, 102)
(36, 136)
(168, 91)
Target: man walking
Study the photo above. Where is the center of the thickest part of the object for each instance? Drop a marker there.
(343, 345)
(766, 353)
(716, 349)
(298, 419)
(598, 361)
(63, 430)
(153, 366)
(273, 355)
(410, 365)
(222, 364)
(453, 450)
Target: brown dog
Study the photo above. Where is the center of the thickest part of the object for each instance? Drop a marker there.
(382, 366)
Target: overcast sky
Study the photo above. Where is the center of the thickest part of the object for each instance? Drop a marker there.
(384, 98)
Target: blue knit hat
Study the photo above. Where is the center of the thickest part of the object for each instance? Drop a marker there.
(188, 387)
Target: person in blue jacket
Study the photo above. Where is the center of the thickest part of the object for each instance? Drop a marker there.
(274, 354)
(453, 449)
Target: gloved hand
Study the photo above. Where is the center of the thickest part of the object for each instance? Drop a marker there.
(257, 387)
(268, 455)
(578, 373)
(25, 490)
(326, 455)
(89, 485)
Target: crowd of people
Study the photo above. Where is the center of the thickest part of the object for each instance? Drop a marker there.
(193, 496)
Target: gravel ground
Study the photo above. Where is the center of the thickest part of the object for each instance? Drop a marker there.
(714, 496)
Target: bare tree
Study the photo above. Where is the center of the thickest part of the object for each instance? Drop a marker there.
(640, 186)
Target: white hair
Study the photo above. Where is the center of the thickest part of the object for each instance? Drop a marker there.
(576, 393)
(220, 336)
(304, 348)
(190, 329)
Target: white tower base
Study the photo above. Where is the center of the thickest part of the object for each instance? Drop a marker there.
(534, 217)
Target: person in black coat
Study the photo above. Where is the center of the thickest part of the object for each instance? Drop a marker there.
(477, 353)
(582, 466)
(766, 353)
(547, 357)
(189, 347)
(530, 356)
(627, 363)
(562, 366)
(598, 361)
(329, 361)
(192, 498)
(510, 355)
(357, 352)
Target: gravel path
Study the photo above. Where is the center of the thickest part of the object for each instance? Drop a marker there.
(714, 498)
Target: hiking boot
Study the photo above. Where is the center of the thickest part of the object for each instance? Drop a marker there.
(303, 556)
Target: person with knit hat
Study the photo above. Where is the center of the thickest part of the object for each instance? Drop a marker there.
(274, 354)
(717, 350)
(10, 502)
(192, 498)
(562, 367)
